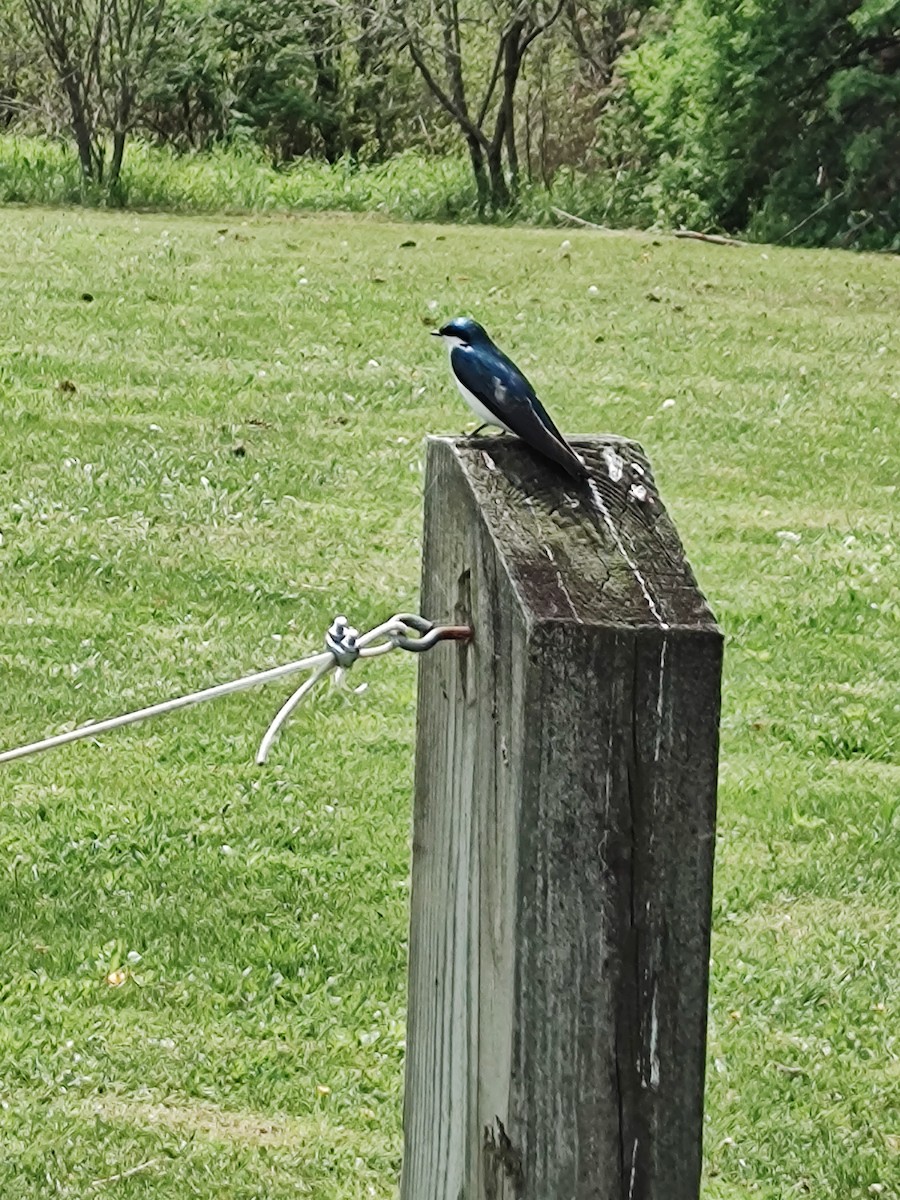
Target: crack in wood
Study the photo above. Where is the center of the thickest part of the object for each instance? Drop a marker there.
(502, 1162)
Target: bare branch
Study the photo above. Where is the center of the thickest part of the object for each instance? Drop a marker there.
(461, 117)
(539, 29)
(495, 75)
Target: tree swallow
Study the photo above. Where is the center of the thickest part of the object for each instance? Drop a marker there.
(499, 394)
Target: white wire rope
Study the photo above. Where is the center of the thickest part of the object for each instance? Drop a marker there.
(345, 646)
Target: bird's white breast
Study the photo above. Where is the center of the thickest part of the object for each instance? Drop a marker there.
(484, 415)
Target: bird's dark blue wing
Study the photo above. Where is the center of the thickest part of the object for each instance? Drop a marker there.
(501, 387)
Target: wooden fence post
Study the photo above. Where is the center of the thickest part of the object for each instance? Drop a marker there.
(563, 836)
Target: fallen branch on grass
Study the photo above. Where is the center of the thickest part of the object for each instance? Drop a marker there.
(716, 238)
(567, 216)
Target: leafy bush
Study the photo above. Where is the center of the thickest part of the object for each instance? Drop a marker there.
(778, 118)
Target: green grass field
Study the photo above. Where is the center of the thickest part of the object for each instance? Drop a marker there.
(202, 963)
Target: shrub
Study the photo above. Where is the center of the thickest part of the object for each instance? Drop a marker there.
(775, 117)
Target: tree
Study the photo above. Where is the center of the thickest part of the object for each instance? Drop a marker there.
(780, 117)
(500, 34)
(22, 81)
(100, 51)
(572, 78)
(300, 77)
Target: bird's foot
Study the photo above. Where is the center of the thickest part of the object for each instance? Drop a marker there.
(499, 431)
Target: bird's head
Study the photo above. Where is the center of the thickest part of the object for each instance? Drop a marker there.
(462, 331)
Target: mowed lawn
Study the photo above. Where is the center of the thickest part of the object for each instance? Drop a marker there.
(212, 444)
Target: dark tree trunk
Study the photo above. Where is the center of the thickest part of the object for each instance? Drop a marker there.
(87, 155)
(512, 62)
(529, 164)
(115, 166)
(512, 158)
(482, 186)
(500, 197)
(120, 132)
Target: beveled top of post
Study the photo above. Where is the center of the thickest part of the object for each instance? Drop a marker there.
(602, 555)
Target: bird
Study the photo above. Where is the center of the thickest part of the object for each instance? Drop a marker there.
(499, 394)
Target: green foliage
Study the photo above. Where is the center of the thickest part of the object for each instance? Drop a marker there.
(23, 77)
(297, 79)
(241, 179)
(203, 963)
(756, 115)
(767, 118)
(231, 67)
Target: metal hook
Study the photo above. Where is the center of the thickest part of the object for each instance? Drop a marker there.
(430, 634)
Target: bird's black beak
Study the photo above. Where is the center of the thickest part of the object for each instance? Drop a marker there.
(435, 333)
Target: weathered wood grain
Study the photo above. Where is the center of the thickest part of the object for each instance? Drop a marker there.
(563, 837)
